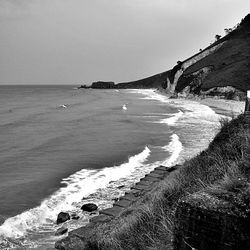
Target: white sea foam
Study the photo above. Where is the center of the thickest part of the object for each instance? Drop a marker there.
(63, 106)
(189, 111)
(87, 182)
(150, 94)
(82, 183)
(124, 107)
(173, 119)
(175, 147)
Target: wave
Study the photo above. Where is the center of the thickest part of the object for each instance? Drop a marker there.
(78, 185)
(150, 94)
(172, 120)
(124, 107)
(175, 147)
(190, 112)
(93, 186)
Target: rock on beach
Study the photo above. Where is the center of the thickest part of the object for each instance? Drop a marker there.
(89, 207)
(62, 217)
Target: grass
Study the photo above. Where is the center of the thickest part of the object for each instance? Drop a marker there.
(221, 169)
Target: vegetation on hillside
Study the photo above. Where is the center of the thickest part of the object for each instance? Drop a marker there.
(229, 65)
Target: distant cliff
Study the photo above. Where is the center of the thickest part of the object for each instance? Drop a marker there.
(223, 67)
(103, 85)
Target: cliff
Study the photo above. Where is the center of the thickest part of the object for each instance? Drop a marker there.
(222, 68)
(227, 66)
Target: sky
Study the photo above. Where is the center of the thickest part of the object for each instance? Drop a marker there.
(81, 41)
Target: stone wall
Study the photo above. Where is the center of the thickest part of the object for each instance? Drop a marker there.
(204, 221)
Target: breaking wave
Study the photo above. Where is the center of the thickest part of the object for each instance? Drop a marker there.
(78, 185)
(174, 147)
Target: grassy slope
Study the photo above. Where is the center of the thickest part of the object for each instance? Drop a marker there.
(230, 63)
(154, 81)
(224, 164)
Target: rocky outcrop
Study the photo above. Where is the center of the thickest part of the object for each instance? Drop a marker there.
(83, 87)
(227, 92)
(192, 83)
(62, 217)
(172, 85)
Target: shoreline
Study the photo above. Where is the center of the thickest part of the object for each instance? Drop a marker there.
(229, 108)
(140, 190)
(220, 106)
(131, 217)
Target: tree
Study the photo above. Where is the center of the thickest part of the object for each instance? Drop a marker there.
(217, 37)
(227, 31)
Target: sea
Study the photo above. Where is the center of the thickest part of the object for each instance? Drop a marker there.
(62, 147)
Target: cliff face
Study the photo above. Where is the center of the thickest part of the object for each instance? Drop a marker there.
(228, 65)
(224, 63)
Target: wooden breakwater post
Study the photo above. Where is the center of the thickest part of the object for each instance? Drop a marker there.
(247, 106)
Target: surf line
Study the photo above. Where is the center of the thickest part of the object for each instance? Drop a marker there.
(78, 185)
(146, 184)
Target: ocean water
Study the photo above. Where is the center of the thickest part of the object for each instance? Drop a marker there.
(62, 147)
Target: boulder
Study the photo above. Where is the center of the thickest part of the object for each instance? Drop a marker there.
(62, 217)
(61, 231)
(83, 87)
(89, 207)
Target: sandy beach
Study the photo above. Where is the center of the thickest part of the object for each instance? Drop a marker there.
(224, 107)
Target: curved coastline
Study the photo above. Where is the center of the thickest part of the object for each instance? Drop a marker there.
(166, 214)
(131, 200)
(173, 119)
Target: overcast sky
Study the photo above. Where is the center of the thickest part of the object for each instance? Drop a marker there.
(80, 41)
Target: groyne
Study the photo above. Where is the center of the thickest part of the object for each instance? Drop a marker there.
(77, 239)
